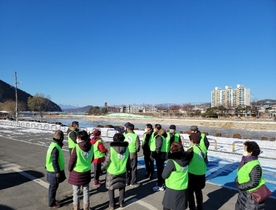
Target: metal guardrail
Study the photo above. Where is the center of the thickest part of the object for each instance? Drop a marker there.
(234, 145)
(108, 132)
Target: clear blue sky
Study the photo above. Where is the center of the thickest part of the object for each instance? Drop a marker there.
(134, 52)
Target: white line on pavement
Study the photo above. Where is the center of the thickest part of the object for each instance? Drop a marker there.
(140, 202)
(10, 166)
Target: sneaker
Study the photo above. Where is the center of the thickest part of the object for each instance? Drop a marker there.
(96, 184)
(135, 185)
(157, 188)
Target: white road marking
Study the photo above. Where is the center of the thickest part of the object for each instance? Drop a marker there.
(140, 202)
(10, 166)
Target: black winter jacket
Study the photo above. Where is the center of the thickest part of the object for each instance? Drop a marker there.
(245, 201)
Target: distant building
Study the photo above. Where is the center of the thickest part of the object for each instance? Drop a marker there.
(230, 97)
(138, 109)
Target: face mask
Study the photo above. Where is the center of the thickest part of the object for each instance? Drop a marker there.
(171, 130)
(245, 153)
(146, 130)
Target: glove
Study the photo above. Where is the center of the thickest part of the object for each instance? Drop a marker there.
(57, 175)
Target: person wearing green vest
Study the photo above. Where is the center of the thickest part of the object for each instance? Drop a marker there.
(172, 136)
(196, 172)
(134, 147)
(72, 135)
(149, 163)
(249, 177)
(204, 142)
(158, 149)
(99, 155)
(116, 165)
(80, 169)
(54, 165)
(176, 178)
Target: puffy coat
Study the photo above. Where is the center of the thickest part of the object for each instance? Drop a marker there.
(115, 181)
(76, 178)
(175, 199)
(245, 201)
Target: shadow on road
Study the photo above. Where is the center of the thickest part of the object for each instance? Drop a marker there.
(14, 178)
(3, 207)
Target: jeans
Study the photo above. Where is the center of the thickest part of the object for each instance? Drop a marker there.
(53, 186)
(76, 194)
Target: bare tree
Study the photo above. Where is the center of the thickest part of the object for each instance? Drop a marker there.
(38, 103)
(9, 106)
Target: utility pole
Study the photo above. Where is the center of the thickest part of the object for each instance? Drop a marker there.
(16, 101)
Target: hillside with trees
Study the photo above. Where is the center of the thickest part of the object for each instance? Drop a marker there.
(26, 102)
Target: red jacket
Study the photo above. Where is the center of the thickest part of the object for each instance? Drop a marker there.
(100, 148)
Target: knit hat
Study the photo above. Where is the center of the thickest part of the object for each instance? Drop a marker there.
(172, 127)
(127, 124)
(194, 128)
(58, 135)
(96, 132)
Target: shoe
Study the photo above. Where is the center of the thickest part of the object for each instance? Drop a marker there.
(135, 185)
(147, 175)
(121, 205)
(111, 208)
(127, 184)
(55, 206)
(96, 184)
(157, 188)
(101, 181)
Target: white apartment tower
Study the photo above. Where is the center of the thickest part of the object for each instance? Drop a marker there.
(230, 97)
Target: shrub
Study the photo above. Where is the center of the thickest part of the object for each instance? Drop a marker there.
(237, 136)
(263, 138)
(218, 134)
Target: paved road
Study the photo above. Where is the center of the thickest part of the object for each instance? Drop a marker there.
(23, 184)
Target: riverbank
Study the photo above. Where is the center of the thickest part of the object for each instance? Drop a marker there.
(257, 125)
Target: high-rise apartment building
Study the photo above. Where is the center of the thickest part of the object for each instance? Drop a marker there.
(230, 97)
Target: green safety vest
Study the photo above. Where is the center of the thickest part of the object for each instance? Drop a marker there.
(201, 143)
(84, 159)
(131, 139)
(49, 163)
(144, 138)
(97, 152)
(153, 143)
(178, 179)
(118, 162)
(168, 139)
(244, 171)
(197, 165)
(71, 143)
